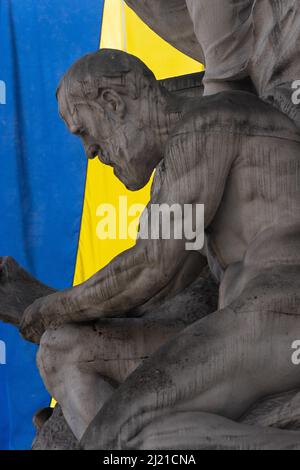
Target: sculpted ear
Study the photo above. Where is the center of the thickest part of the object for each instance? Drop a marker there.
(112, 102)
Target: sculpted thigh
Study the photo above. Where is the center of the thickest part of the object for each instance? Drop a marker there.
(110, 347)
(114, 347)
(209, 365)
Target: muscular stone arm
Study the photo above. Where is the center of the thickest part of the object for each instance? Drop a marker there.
(195, 172)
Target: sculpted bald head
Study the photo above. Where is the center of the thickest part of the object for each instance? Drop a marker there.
(106, 98)
(106, 67)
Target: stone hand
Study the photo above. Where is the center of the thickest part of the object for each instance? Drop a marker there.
(39, 316)
(18, 289)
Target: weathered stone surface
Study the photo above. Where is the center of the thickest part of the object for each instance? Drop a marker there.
(140, 356)
(255, 39)
(18, 290)
(55, 434)
(186, 85)
(281, 411)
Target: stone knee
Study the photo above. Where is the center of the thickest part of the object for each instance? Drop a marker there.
(59, 349)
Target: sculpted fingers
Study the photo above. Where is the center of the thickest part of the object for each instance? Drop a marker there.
(32, 325)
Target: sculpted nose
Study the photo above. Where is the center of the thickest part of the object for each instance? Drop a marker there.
(93, 151)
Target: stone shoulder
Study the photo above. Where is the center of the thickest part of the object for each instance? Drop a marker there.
(238, 113)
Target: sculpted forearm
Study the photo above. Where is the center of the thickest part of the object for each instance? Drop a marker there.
(115, 289)
(130, 280)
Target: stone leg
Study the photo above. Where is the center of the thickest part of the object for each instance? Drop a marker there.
(81, 365)
(194, 430)
(220, 365)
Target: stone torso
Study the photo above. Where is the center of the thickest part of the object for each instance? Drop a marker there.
(260, 203)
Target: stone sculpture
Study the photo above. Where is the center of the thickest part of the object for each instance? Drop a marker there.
(259, 39)
(130, 366)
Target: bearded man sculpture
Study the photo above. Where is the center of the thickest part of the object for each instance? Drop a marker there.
(131, 376)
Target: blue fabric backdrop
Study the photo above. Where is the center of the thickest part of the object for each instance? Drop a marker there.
(42, 174)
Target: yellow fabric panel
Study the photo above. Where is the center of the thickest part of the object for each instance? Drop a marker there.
(121, 29)
(164, 60)
(102, 187)
(113, 33)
